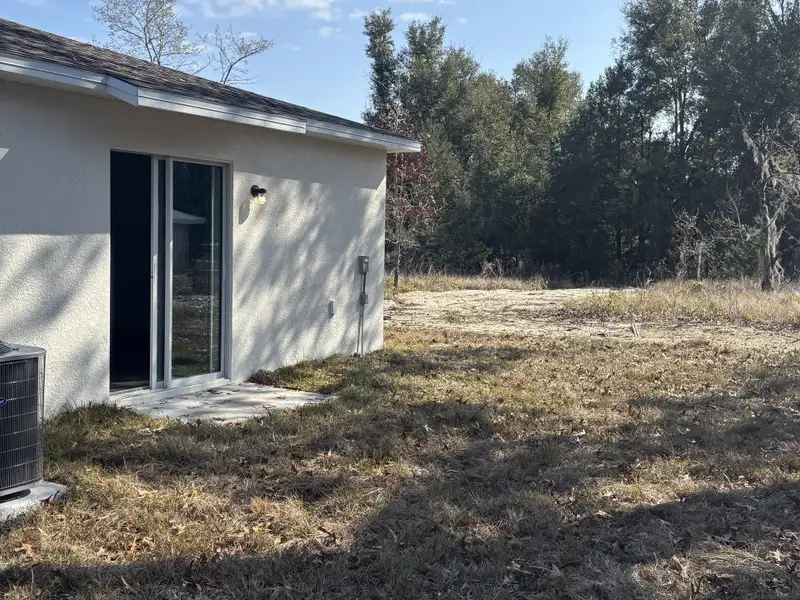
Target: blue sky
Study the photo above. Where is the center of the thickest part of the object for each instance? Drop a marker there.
(319, 61)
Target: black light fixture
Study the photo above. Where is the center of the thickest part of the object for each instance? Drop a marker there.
(258, 194)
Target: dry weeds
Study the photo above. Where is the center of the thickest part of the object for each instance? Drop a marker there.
(454, 465)
(567, 313)
(708, 301)
(448, 283)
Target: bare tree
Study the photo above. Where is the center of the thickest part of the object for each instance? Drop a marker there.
(772, 197)
(148, 29)
(690, 245)
(154, 31)
(411, 207)
(229, 51)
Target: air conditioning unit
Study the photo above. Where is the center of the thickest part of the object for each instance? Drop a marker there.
(21, 418)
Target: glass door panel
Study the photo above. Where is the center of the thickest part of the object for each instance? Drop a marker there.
(196, 290)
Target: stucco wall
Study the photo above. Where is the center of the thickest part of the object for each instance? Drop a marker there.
(325, 206)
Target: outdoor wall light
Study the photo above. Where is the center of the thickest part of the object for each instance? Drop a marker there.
(258, 195)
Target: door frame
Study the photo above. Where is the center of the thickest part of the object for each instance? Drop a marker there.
(226, 288)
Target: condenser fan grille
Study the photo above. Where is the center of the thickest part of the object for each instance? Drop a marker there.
(21, 412)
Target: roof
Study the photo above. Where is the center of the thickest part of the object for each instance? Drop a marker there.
(135, 79)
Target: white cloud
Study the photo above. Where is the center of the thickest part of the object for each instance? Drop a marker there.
(357, 15)
(221, 9)
(443, 2)
(241, 8)
(415, 16)
(330, 32)
(295, 4)
(37, 3)
(327, 14)
(216, 9)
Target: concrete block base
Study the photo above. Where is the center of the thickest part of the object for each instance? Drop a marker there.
(19, 503)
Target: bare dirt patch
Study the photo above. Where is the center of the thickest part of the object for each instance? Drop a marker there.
(543, 313)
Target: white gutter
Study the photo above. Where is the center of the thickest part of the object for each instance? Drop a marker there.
(54, 73)
(222, 112)
(110, 86)
(361, 136)
(122, 91)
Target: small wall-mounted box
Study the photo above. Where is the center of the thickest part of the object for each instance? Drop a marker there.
(363, 264)
(331, 308)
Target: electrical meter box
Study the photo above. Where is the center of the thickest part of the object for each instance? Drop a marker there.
(363, 264)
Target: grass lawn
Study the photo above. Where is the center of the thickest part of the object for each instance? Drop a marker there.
(454, 465)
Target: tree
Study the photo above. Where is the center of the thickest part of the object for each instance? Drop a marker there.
(422, 84)
(774, 186)
(663, 43)
(602, 163)
(410, 205)
(749, 105)
(546, 94)
(545, 98)
(154, 31)
(690, 245)
(648, 174)
(383, 109)
(148, 29)
(229, 51)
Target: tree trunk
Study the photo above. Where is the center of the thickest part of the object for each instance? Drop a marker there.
(396, 267)
(398, 236)
(681, 270)
(768, 258)
(699, 253)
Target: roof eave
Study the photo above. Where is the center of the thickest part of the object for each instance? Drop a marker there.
(390, 143)
(120, 90)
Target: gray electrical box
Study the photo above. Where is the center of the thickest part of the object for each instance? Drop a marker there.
(363, 264)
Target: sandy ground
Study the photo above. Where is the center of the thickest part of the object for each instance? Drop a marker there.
(537, 313)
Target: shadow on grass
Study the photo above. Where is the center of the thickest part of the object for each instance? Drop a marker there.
(698, 547)
(499, 502)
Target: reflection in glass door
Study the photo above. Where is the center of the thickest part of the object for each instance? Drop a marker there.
(194, 208)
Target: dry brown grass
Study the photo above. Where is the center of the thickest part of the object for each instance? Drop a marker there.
(715, 301)
(449, 283)
(452, 466)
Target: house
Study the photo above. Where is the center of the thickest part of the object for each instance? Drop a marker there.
(162, 232)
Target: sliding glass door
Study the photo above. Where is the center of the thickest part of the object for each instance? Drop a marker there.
(188, 291)
(196, 269)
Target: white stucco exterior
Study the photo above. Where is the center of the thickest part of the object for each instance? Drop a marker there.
(325, 207)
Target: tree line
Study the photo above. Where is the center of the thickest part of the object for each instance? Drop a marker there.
(682, 158)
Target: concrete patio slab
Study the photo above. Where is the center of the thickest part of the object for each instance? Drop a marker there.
(225, 404)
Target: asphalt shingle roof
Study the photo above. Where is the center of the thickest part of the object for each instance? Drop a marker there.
(22, 41)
